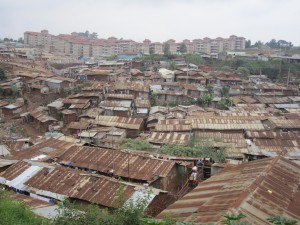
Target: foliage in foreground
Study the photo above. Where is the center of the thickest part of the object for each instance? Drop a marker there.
(278, 220)
(16, 213)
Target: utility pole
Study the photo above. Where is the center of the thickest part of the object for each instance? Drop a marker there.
(288, 78)
(187, 72)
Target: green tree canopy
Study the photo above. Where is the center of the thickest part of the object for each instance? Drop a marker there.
(183, 48)
(166, 49)
(194, 59)
(2, 74)
(248, 44)
(243, 72)
(224, 91)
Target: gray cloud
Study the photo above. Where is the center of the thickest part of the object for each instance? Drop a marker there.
(157, 20)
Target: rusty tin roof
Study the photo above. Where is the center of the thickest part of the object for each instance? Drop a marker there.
(125, 164)
(258, 189)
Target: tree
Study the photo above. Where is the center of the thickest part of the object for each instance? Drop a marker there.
(224, 91)
(258, 44)
(224, 103)
(183, 48)
(272, 43)
(279, 44)
(194, 59)
(8, 39)
(210, 88)
(21, 40)
(166, 49)
(227, 68)
(93, 35)
(248, 44)
(206, 99)
(243, 72)
(153, 97)
(2, 74)
(173, 66)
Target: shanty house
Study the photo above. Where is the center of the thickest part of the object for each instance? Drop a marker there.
(14, 109)
(133, 126)
(258, 190)
(162, 174)
(141, 108)
(167, 75)
(56, 183)
(41, 120)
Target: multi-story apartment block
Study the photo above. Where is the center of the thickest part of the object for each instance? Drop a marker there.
(146, 47)
(77, 45)
(156, 48)
(172, 45)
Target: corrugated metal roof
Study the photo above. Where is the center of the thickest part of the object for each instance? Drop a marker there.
(75, 101)
(173, 125)
(13, 171)
(41, 116)
(235, 139)
(114, 103)
(7, 162)
(142, 103)
(284, 123)
(287, 106)
(59, 182)
(99, 159)
(120, 122)
(78, 125)
(158, 109)
(15, 145)
(226, 124)
(79, 185)
(120, 96)
(273, 100)
(57, 148)
(272, 135)
(169, 138)
(258, 189)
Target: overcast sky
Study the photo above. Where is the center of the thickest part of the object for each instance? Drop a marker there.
(157, 20)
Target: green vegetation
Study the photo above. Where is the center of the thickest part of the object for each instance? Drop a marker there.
(183, 48)
(205, 99)
(153, 97)
(16, 213)
(274, 69)
(77, 88)
(279, 220)
(136, 144)
(194, 59)
(243, 72)
(224, 91)
(279, 44)
(167, 56)
(112, 57)
(195, 148)
(234, 219)
(173, 104)
(173, 66)
(87, 34)
(2, 74)
(224, 103)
